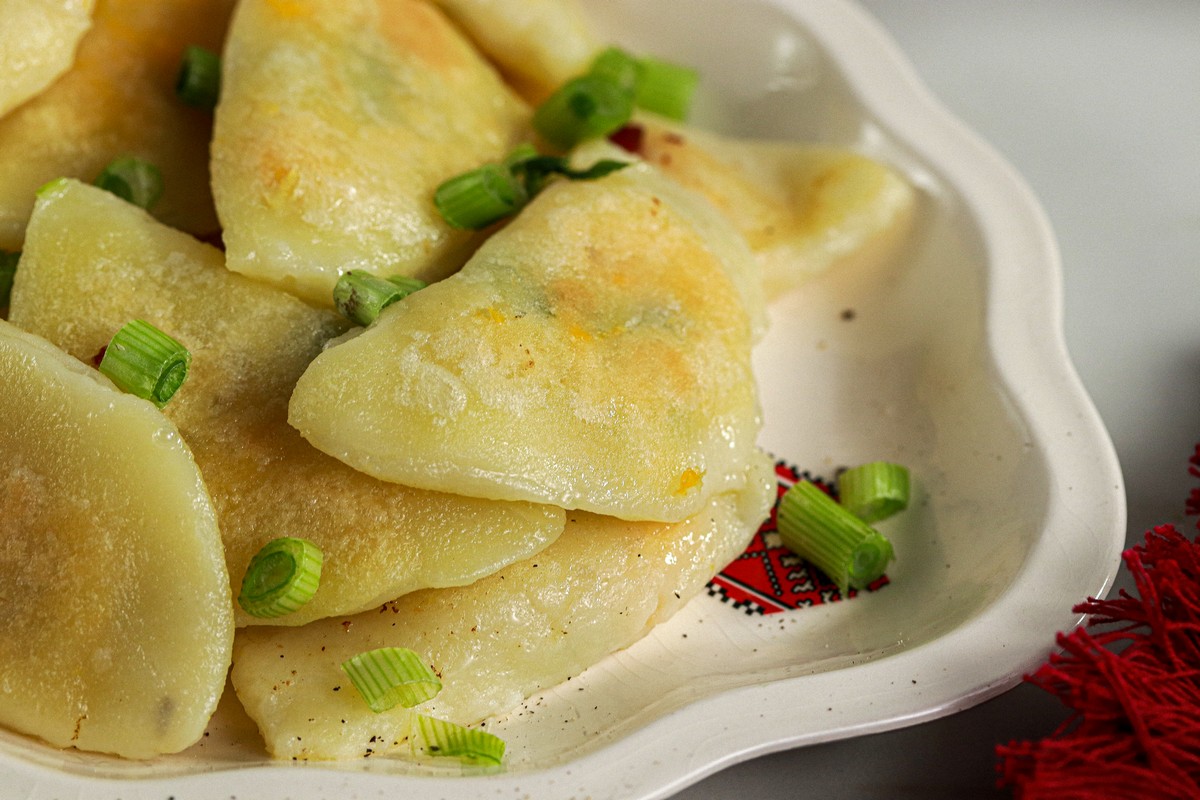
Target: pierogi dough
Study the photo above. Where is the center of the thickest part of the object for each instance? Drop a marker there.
(338, 119)
(37, 44)
(601, 587)
(118, 99)
(116, 622)
(594, 354)
(803, 209)
(538, 44)
(92, 262)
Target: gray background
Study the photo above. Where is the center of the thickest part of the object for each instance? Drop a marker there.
(1097, 104)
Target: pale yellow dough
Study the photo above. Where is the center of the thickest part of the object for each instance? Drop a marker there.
(338, 119)
(37, 44)
(602, 586)
(92, 262)
(118, 99)
(538, 44)
(804, 209)
(594, 354)
(116, 623)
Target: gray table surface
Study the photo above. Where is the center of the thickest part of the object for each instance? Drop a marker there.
(1097, 104)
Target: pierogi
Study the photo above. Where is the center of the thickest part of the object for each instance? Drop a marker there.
(37, 44)
(337, 121)
(92, 262)
(594, 354)
(803, 209)
(118, 99)
(116, 621)
(598, 589)
(538, 44)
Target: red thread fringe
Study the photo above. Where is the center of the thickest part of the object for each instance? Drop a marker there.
(1133, 689)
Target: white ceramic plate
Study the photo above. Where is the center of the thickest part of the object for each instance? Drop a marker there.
(953, 364)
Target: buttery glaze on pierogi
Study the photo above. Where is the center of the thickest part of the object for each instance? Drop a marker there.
(37, 44)
(92, 262)
(337, 121)
(599, 588)
(115, 623)
(594, 354)
(117, 99)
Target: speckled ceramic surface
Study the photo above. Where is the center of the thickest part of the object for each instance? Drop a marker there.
(951, 361)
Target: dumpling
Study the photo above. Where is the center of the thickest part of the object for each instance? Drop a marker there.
(803, 209)
(37, 44)
(594, 354)
(538, 44)
(116, 623)
(338, 119)
(602, 586)
(118, 99)
(92, 262)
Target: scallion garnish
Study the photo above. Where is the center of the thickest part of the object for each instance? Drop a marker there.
(142, 360)
(874, 491)
(407, 285)
(586, 107)
(8, 271)
(282, 577)
(535, 172)
(814, 526)
(360, 296)
(476, 199)
(132, 179)
(665, 88)
(437, 737)
(199, 80)
(620, 67)
(391, 676)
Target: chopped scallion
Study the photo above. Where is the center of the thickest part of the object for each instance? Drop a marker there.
(665, 88)
(814, 526)
(199, 81)
(586, 107)
(391, 676)
(132, 179)
(142, 360)
(438, 737)
(537, 171)
(360, 296)
(874, 491)
(407, 285)
(8, 271)
(282, 577)
(616, 65)
(476, 199)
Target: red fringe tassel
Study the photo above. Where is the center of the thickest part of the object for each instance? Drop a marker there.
(1133, 689)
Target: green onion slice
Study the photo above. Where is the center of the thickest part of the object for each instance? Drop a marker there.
(874, 491)
(282, 577)
(618, 66)
(8, 271)
(476, 199)
(360, 296)
(199, 80)
(537, 171)
(142, 360)
(132, 179)
(665, 88)
(438, 737)
(391, 676)
(407, 285)
(817, 528)
(587, 107)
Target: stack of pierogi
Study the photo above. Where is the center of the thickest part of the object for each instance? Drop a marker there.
(514, 471)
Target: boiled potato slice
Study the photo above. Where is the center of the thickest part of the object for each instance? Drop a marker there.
(338, 119)
(593, 354)
(598, 589)
(116, 622)
(37, 44)
(118, 99)
(538, 44)
(804, 209)
(92, 262)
